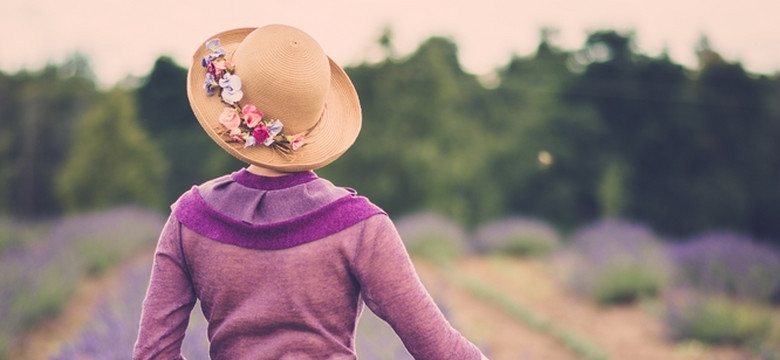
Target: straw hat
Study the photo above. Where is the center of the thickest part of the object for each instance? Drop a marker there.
(271, 97)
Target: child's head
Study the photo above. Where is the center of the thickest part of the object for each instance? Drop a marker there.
(271, 97)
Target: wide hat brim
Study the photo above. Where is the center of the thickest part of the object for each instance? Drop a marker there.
(335, 132)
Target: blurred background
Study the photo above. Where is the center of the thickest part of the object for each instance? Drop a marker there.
(620, 157)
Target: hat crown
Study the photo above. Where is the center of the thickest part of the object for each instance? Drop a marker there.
(284, 73)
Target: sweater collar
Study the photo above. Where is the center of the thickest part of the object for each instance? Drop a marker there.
(254, 181)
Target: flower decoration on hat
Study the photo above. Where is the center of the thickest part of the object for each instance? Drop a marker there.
(245, 124)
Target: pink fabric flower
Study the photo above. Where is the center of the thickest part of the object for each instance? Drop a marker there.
(251, 115)
(229, 119)
(237, 135)
(297, 142)
(260, 133)
(219, 66)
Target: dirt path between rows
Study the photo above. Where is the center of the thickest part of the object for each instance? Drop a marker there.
(499, 336)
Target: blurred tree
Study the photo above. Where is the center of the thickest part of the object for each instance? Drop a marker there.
(38, 111)
(660, 150)
(162, 98)
(766, 191)
(736, 142)
(165, 113)
(8, 142)
(424, 137)
(693, 147)
(548, 157)
(113, 160)
(386, 43)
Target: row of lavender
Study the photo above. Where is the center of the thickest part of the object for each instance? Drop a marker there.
(43, 263)
(111, 331)
(717, 287)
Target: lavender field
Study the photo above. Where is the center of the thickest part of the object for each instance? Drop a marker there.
(517, 287)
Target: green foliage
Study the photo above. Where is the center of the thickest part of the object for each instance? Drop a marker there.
(625, 283)
(516, 236)
(568, 136)
(37, 112)
(432, 237)
(42, 305)
(615, 262)
(526, 246)
(719, 320)
(423, 136)
(15, 234)
(612, 192)
(113, 160)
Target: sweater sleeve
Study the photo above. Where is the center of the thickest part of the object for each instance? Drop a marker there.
(392, 289)
(169, 300)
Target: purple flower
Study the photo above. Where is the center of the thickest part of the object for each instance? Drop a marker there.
(616, 261)
(206, 60)
(274, 129)
(209, 84)
(729, 264)
(213, 45)
(250, 141)
(231, 88)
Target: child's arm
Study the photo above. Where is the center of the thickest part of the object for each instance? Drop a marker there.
(169, 300)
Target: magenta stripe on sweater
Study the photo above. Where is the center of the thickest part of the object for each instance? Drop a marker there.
(193, 212)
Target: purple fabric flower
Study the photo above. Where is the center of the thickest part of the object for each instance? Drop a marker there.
(274, 129)
(209, 84)
(250, 141)
(216, 50)
(231, 88)
(213, 45)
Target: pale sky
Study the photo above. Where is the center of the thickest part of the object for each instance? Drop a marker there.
(125, 37)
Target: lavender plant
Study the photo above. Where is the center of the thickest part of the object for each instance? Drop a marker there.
(614, 261)
(728, 264)
(715, 319)
(516, 236)
(16, 234)
(40, 276)
(432, 236)
(725, 285)
(375, 340)
(111, 331)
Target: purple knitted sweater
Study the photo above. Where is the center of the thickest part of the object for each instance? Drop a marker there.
(282, 267)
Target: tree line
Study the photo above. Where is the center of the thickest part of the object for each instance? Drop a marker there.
(564, 135)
